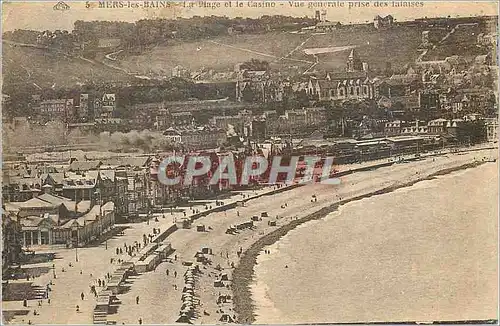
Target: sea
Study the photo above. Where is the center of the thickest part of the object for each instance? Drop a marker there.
(428, 252)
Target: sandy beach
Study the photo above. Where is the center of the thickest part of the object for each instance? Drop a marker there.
(162, 304)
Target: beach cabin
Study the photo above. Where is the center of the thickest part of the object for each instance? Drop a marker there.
(224, 299)
(188, 288)
(186, 296)
(264, 214)
(207, 251)
(187, 305)
(101, 309)
(246, 225)
(231, 230)
(183, 318)
(201, 258)
(272, 223)
(201, 228)
(255, 218)
(184, 223)
(225, 318)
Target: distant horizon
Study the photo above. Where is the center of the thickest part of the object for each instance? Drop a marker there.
(20, 15)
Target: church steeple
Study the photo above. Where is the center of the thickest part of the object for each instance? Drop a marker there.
(354, 62)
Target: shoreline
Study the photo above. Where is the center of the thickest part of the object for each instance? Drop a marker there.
(243, 273)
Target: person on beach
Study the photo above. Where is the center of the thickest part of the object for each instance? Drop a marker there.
(140, 321)
(167, 272)
(82, 296)
(137, 300)
(175, 273)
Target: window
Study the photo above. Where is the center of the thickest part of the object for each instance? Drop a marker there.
(341, 92)
(357, 91)
(44, 237)
(28, 238)
(351, 91)
(365, 90)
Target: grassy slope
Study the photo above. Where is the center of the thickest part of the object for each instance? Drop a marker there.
(213, 55)
(397, 45)
(25, 66)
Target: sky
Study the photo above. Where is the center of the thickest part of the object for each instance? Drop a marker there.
(40, 15)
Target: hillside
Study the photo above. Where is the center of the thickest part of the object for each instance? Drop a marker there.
(397, 46)
(217, 53)
(26, 66)
(23, 66)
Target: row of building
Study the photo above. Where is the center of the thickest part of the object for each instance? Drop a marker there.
(441, 126)
(85, 107)
(435, 87)
(122, 181)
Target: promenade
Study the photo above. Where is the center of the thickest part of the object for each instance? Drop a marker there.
(94, 262)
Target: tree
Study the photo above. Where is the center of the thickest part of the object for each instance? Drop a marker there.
(255, 65)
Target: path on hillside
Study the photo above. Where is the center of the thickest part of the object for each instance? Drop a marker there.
(110, 56)
(258, 53)
(298, 47)
(313, 65)
(451, 32)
